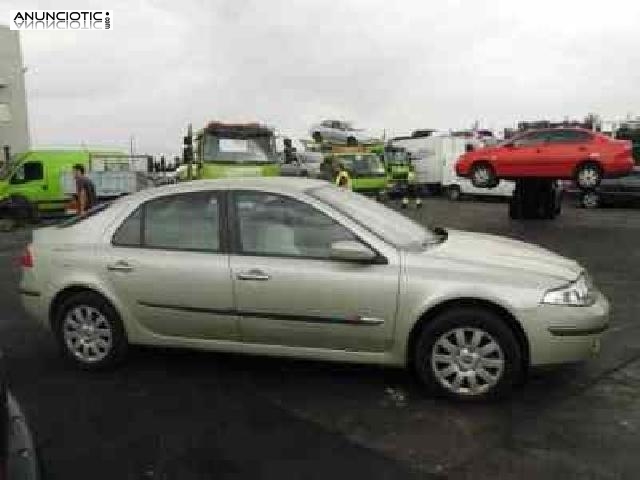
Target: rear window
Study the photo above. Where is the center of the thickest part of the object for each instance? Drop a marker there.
(89, 213)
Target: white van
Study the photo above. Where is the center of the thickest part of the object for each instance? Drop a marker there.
(434, 158)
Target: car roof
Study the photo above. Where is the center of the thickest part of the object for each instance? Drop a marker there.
(284, 184)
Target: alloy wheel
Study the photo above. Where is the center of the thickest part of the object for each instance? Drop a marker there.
(590, 200)
(588, 177)
(87, 334)
(467, 361)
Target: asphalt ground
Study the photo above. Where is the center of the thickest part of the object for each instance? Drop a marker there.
(169, 414)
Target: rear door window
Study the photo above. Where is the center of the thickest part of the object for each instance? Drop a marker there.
(189, 221)
(568, 136)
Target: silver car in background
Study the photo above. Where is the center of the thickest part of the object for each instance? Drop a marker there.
(299, 268)
(337, 131)
(304, 164)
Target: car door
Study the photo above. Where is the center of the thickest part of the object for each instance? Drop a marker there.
(290, 292)
(167, 263)
(565, 149)
(29, 181)
(521, 157)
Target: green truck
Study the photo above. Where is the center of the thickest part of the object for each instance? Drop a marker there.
(365, 170)
(33, 178)
(400, 172)
(230, 150)
(40, 181)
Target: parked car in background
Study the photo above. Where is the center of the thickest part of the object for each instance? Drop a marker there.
(558, 153)
(300, 268)
(303, 164)
(337, 131)
(613, 191)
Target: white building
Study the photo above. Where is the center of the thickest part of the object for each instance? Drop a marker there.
(14, 126)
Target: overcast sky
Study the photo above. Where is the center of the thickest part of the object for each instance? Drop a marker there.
(398, 65)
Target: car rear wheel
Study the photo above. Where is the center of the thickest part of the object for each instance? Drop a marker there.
(89, 331)
(590, 200)
(468, 354)
(483, 176)
(453, 193)
(588, 175)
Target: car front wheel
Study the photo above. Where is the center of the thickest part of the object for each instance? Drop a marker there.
(89, 331)
(469, 354)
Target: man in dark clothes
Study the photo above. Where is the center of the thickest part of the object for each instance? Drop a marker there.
(85, 189)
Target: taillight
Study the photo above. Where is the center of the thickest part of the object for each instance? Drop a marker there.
(26, 258)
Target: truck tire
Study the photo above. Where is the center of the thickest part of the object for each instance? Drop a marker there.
(453, 193)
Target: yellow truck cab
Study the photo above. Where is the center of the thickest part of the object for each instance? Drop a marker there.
(232, 150)
(365, 169)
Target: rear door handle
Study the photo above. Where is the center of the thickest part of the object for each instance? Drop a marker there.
(253, 274)
(120, 266)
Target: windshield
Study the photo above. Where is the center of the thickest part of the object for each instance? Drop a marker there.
(259, 149)
(362, 164)
(383, 222)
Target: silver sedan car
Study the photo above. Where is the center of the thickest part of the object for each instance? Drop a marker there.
(299, 268)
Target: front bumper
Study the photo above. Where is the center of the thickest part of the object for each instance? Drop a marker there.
(562, 334)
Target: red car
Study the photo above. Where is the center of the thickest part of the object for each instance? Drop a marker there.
(558, 153)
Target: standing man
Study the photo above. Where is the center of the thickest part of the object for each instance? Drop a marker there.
(85, 189)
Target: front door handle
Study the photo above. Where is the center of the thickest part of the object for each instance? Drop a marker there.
(120, 266)
(253, 274)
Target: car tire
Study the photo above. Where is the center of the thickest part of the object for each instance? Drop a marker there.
(317, 137)
(590, 199)
(483, 362)
(588, 176)
(90, 332)
(453, 193)
(483, 175)
(351, 141)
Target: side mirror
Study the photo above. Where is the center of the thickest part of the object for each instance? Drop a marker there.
(353, 251)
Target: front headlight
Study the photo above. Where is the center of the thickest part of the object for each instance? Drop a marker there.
(579, 293)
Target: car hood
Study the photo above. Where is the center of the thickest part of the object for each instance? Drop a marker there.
(492, 251)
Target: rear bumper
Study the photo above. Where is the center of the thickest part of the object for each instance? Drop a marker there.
(559, 334)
